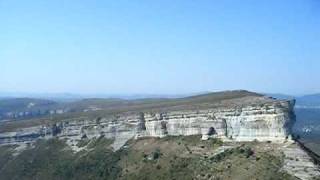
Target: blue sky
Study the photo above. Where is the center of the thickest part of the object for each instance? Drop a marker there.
(159, 47)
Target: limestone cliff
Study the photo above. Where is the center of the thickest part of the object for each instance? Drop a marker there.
(231, 117)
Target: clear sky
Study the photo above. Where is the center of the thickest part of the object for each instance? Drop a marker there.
(159, 47)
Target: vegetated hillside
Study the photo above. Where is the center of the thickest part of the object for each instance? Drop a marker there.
(18, 104)
(26, 108)
(154, 103)
(19, 108)
(148, 158)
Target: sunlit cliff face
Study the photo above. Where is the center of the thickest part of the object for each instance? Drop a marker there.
(261, 120)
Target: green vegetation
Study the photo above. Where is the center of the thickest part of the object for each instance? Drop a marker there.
(5, 155)
(239, 151)
(17, 104)
(53, 159)
(190, 158)
(244, 163)
(182, 157)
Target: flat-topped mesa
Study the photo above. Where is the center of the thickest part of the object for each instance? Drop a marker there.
(230, 115)
(269, 121)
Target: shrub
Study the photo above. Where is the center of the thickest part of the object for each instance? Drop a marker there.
(156, 154)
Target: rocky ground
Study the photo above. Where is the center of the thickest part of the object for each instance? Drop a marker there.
(298, 163)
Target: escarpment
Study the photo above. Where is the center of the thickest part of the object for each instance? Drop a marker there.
(231, 116)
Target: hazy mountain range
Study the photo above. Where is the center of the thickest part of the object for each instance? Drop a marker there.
(309, 100)
(75, 97)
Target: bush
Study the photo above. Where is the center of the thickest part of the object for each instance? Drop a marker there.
(248, 152)
(156, 154)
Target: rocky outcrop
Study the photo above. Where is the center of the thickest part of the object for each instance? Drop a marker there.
(298, 163)
(262, 119)
(263, 122)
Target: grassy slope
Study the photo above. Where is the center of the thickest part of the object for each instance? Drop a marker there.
(148, 158)
(52, 159)
(188, 158)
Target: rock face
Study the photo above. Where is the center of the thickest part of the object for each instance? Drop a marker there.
(268, 122)
(245, 118)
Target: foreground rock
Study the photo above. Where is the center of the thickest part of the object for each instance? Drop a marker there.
(298, 163)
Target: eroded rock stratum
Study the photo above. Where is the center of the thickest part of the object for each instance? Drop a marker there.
(245, 117)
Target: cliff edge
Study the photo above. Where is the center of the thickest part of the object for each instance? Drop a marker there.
(228, 115)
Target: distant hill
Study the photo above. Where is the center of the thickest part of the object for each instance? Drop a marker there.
(8, 104)
(22, 108)
(15, 108)
(69, 97)
(48, 96)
